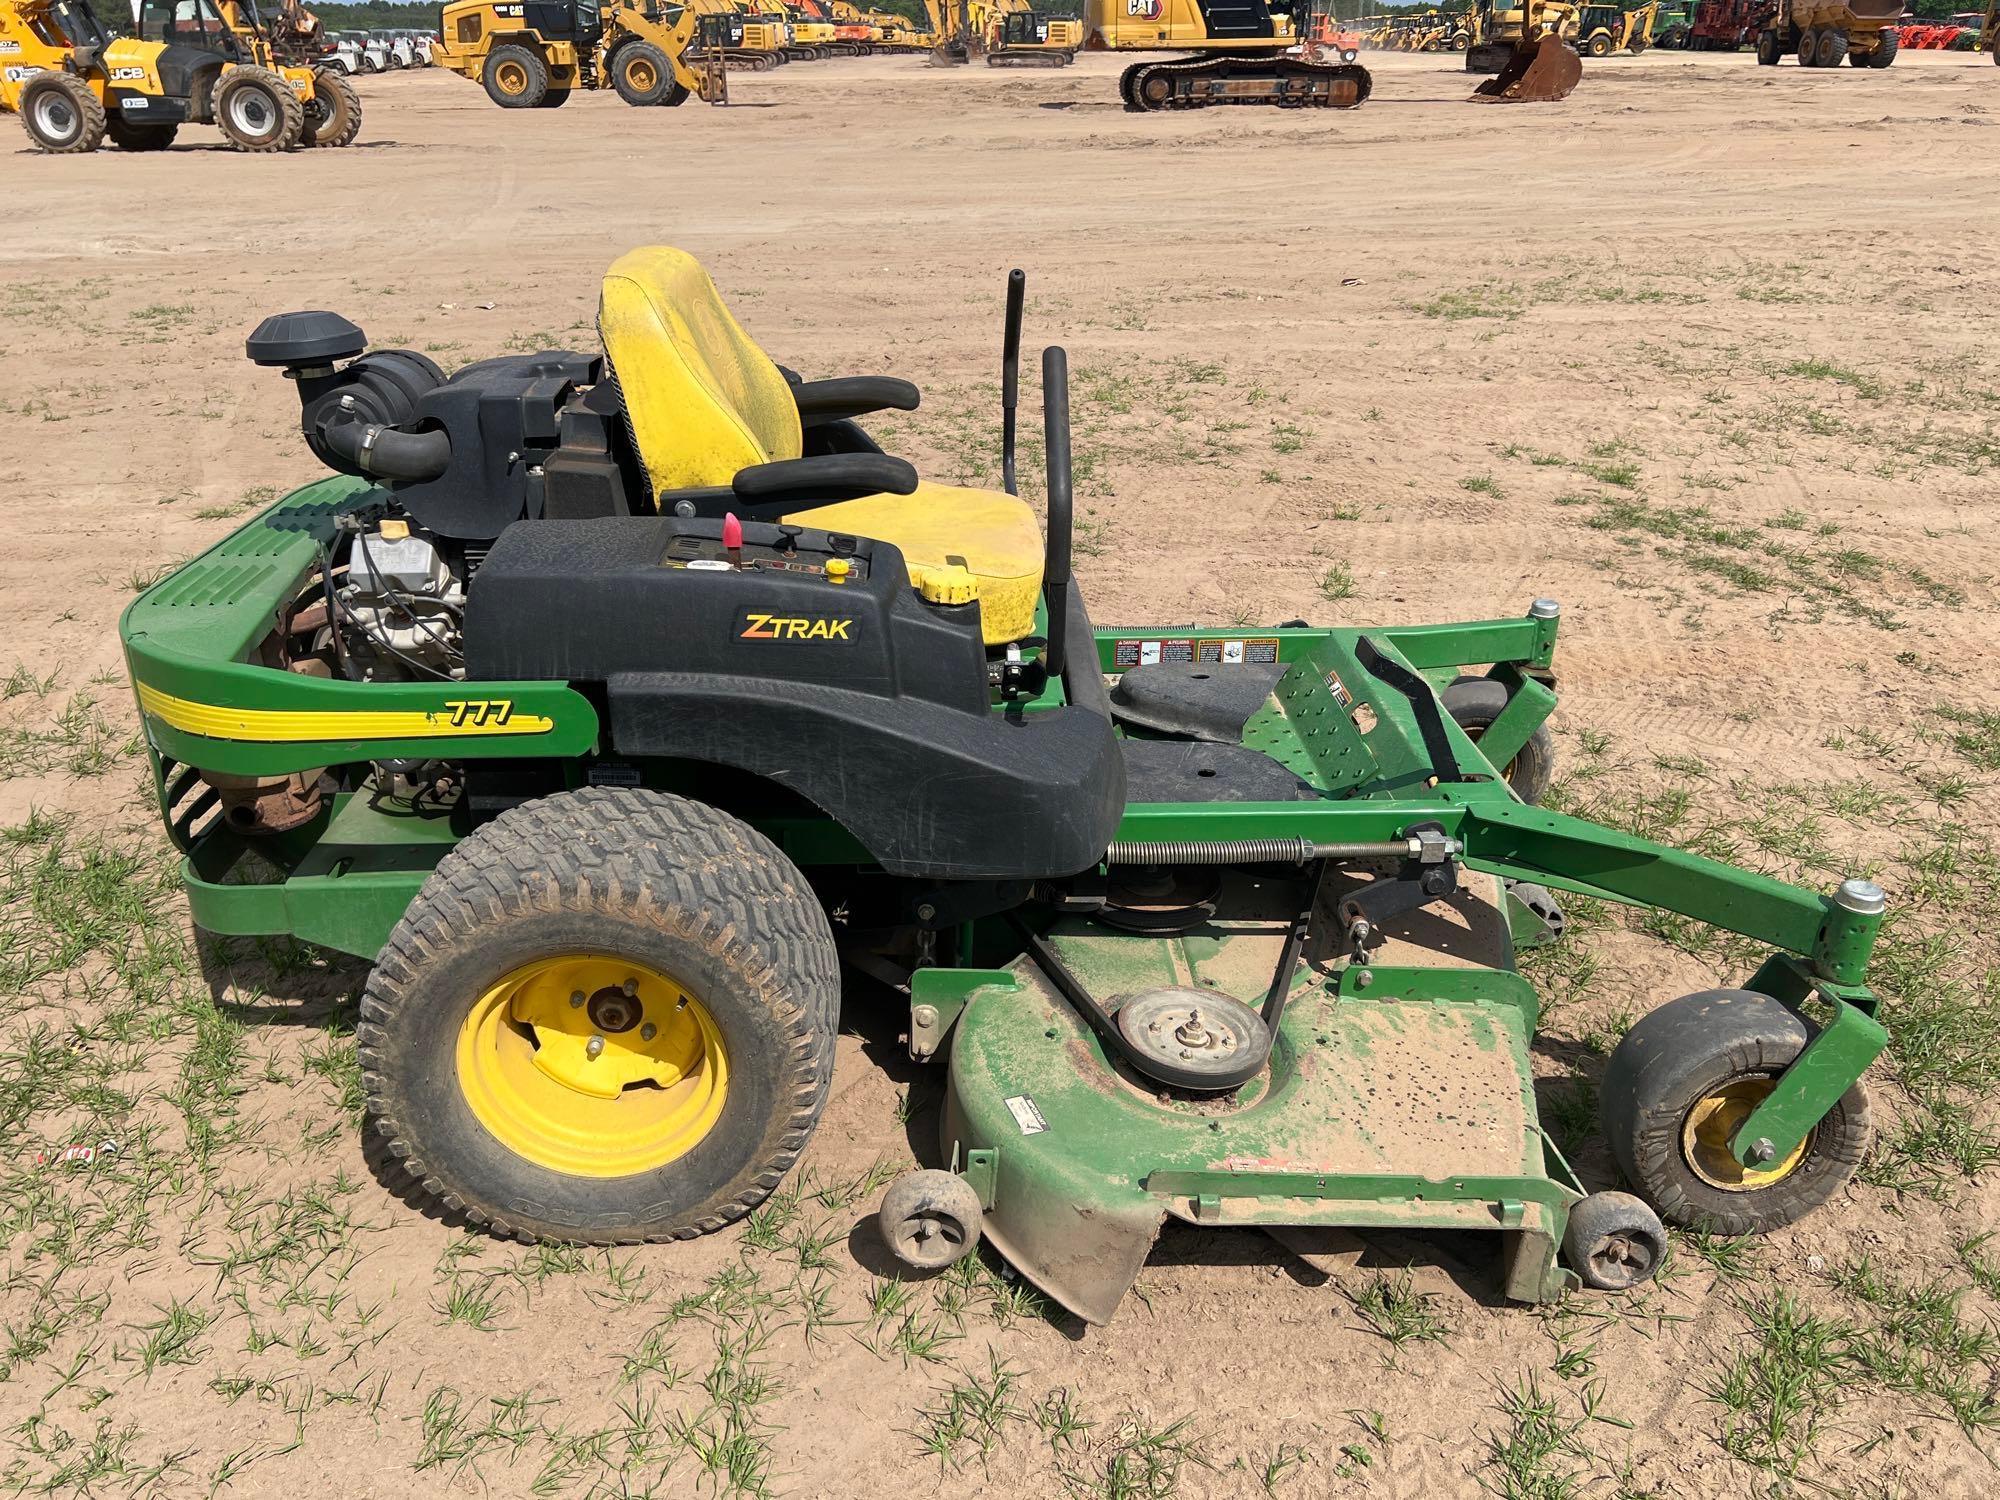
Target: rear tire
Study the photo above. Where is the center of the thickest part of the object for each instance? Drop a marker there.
(1832, 49)
(515, 78)
(131, 135)
(1684, 1077)
(1809, 47)
(257, 111)
(1475, 702)
(555, 98)
(1600, 46)
(475, 1068)
(336, 114)
(1887, 44)
(61, 115)
(1768, 50)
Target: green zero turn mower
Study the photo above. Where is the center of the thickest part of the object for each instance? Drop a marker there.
(604, 700)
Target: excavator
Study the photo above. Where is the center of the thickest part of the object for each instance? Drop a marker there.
(1242, 52)
(810, 34)
(1524, 48)
(763, 35)
(854, 33)
(1007, 33)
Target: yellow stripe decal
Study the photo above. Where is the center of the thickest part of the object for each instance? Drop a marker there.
(456, 717)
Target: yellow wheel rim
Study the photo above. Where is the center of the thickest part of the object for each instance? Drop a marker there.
(1714, 1119)
(593, 1066)
(640, 76)
(513, 78)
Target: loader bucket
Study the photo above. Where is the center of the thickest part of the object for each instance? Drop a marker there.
(1539, 74)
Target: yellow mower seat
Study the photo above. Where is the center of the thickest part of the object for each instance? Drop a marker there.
(704, 401)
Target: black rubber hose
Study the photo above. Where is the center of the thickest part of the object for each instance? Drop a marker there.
(388, 452)
(1055, 566)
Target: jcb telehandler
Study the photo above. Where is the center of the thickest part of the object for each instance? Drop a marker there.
(605, 698)
(531, 54)
(206, 62)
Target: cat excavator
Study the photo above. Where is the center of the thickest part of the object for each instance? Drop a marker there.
(1007, 33)
(1242, 52)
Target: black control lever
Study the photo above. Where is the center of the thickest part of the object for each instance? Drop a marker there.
(1055, 565)
(1010, 375)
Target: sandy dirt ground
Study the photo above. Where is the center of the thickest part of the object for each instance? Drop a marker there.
(1707, 353)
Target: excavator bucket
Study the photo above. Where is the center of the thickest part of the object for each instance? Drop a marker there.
(1540, 73)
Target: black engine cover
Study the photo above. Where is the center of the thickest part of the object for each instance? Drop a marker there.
(859, 696)
(504, 417)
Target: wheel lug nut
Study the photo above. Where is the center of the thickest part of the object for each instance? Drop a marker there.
(630, 986)
(576, 999)
(648, 1032)
(593, 1047)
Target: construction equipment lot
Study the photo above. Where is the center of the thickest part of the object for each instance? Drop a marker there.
(1707, 353)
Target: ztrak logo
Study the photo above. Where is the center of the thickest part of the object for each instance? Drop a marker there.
(761, 627)
(1144, 10)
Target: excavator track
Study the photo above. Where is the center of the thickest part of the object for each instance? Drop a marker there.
(1029, 58)
(1287, 82)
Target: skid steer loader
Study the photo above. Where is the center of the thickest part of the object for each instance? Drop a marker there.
(205, 62)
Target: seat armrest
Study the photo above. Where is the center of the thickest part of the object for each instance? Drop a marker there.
(855, 396)
(826, 477)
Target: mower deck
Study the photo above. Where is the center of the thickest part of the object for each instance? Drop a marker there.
(1395, 1097)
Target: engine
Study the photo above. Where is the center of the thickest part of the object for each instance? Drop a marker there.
(400, 608)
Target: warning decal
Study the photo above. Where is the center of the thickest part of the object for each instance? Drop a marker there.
(1026, 1115)
(1259, 652)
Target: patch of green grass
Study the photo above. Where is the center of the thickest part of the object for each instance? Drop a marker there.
(1481, 484)
(1784, 1384)
(1391, 1306)
(1337, 583)
(1915, 1341)
(1485, 301)
(971, 1415)
(1820, 369)
(1139, 1459)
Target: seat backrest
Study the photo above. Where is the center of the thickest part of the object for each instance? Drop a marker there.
(702, 399)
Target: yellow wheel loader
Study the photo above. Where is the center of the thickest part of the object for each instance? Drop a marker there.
(533, 54)
(1244, 52)
(74, 84)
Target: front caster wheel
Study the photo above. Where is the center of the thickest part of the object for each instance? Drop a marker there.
(1614, 1241)
(1475, 703)
(930, 1219)
(1683, 1080)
